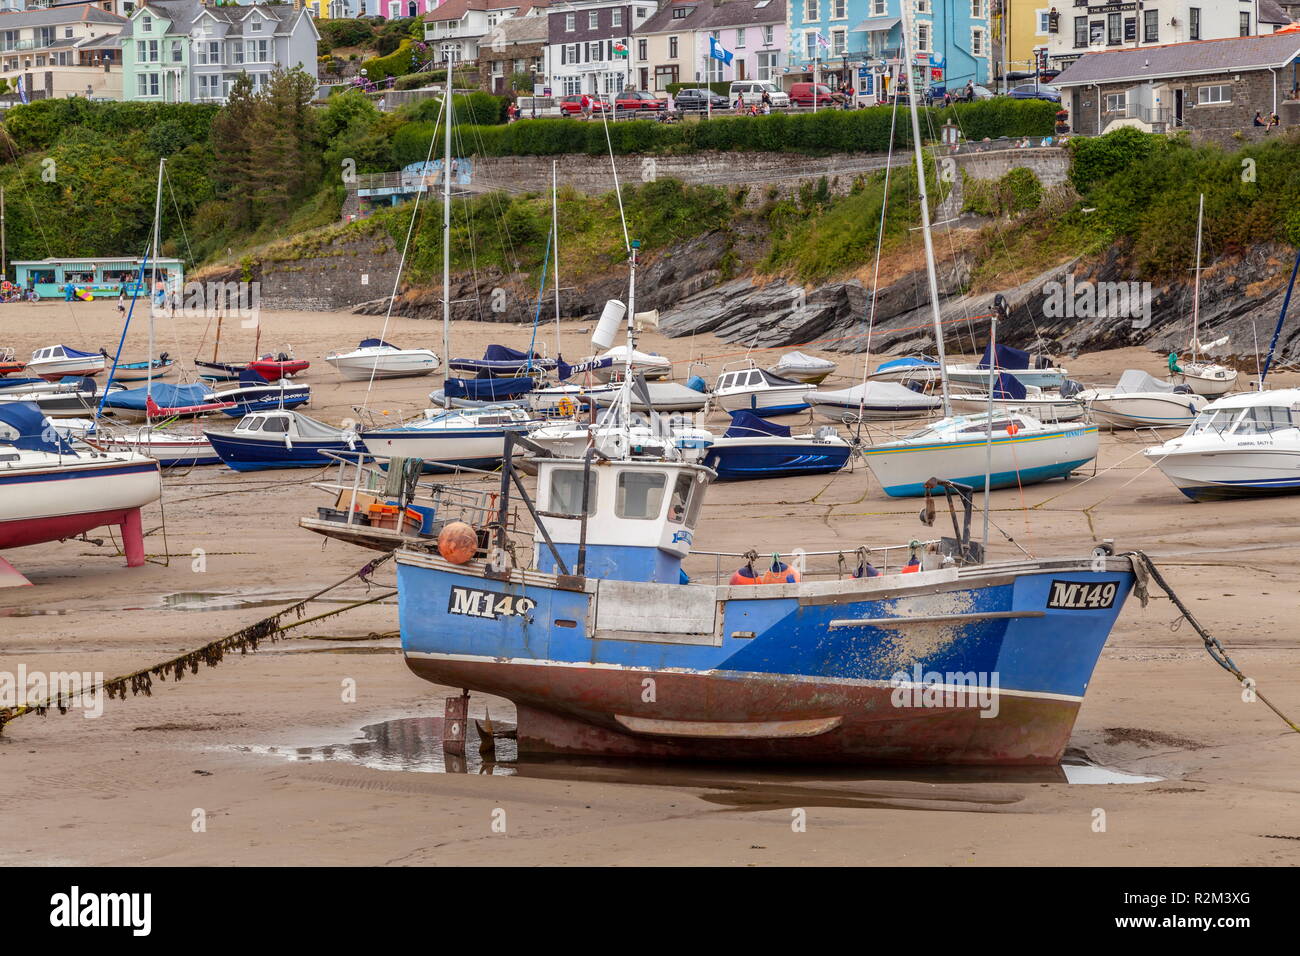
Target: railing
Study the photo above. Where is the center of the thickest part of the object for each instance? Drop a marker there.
(846, 562)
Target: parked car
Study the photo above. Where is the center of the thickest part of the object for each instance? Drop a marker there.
(572, 105)
(801, 94)
(699, 99)
(752, 92)
(1030, 91)
(631, 100)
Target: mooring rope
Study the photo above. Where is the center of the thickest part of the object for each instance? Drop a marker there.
(211, 654)
(1144, 567)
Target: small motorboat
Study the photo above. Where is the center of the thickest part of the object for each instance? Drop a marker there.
(753, 447)
(50, 491)
(161, 367)
(920, 368)
(1010, 394)
(447, 439)
(1240, 446)
(504, 362)
(1142, 401)
(801, 367)
(255, 394)
(279, 439)
(1035, 370)
(648, 365)
(163, 401)
(379, 359)
(658, 397)
(275, 367)
(58, 361)
(9, 364)
(1020, 451)
(220, 371)
(873, 401)
(760, 392)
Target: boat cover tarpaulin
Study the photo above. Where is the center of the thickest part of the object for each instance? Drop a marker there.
(801, 362)
(910, 361)
(1134, 381)
(23, 425)
(1007, 357)
(77, 353)
(488, 389)
(375, 343)
(876, 396)
(250, 376)
(1008, 386)
(166, 396)
(504, 353)
(748, 425)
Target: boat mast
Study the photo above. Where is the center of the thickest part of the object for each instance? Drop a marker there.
(446, 236)
(931, 273)
(1281, 319)
(1196, 283)
(555, 235)
(153, 282)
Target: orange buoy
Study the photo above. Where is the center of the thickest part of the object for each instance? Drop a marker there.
(744, 575)
(779, 573)
(457, 542)
(1013, 428)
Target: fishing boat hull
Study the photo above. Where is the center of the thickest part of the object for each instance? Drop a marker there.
(1224, 472)
(361, 365)
(664, 397)
(1142, 411)
(1022, 459)
(64, 500)
(744, 459)
(244, 453)
(827, 672)
(168, 449)
(850, 413)
(275, 369)
(52, 371)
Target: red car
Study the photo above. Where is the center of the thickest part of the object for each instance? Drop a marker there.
(631, 100)
(572, 105)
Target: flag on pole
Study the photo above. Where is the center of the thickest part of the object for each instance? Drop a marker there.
(823, 42)
(22, 90)
(718, 53)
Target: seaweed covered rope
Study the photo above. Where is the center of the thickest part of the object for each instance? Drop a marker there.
(210, 654)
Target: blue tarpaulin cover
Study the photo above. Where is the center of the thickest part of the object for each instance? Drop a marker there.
(167, 396)
(76, 353)
(35, 433)
(487, 389)
(372, 343)
(1008, 386)
(748, 425)
(1007, 357)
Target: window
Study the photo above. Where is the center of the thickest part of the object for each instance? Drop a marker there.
(1130, 30)
(768, 35)
(150, 51)
(839, 42)
(569, 19)
(879, 8)
(1044, 22)
(1080, 32)
(593, 19)
(566, 484)
(681, 13)
(740, 39)
(977, 11)
(67, 32)
(146, 23)
(572, 87)
(672, 47)
(616, 18)
(1150, 26)
(594, 51)
(276, 424)
(639, 495)
(178, 52)
(810, 13)
(679, 503)
(147, 84)
(1194, 23)
(1245, 24)
(768, 66)
(641, 53)
(1211, 95)
(839, 9)
(923, 37)
(810, 45)
(1114, 28)
(1116, 102)
(922, 6)
(257, 26)
(977, 42)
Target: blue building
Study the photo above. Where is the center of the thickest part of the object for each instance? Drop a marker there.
(862, 41)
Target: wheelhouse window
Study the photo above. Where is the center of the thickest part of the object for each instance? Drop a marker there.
(566, 493)
(250, 423)
(639, 494)
(277, 424)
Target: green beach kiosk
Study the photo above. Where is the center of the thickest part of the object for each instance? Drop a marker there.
(100, 276)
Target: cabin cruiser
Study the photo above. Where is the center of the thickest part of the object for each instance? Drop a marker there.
(760, 392)
(57, 361)
(379, 359)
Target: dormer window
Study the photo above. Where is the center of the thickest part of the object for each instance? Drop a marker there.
(681, 13)
(146, 23)
(257, 25)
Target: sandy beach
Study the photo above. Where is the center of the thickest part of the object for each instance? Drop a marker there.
(267, 750)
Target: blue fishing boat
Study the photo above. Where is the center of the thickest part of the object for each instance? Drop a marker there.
(256, 394)
(607, 648)
(753, 447)
(279, 439)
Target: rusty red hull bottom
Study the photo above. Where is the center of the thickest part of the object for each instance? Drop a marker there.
(575, 710)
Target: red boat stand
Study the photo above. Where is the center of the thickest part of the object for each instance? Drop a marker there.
(133, 538)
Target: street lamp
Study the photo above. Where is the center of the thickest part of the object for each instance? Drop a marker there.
(533, 90)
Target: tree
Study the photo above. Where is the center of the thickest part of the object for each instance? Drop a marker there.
(232, 147)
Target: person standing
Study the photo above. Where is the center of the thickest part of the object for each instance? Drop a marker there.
(586, 106)
(121, 300)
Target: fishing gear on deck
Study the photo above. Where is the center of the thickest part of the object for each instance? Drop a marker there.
(210, 654)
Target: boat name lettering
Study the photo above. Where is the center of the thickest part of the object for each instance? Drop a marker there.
(1080, 596)
(487, 604)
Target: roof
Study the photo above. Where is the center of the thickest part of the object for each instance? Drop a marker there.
(184, 14)
(455, 9)
(741, 13)
(1231, 55)
(516, 30)
(1270, 11)
(663, 21)
(80, 13)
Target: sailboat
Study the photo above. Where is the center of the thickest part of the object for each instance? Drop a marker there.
(1205, 378)
(994, 449)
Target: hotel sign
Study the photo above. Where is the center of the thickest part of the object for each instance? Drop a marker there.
(1112, 8)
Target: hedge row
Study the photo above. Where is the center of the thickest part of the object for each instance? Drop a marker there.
(828, 131)
(397, 63)
(38, 124)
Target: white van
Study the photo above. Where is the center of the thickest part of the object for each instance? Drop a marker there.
(753, 90)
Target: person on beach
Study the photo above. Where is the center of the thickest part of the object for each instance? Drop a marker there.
(121, 300)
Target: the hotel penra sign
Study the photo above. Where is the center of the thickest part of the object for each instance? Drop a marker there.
(1111, 7)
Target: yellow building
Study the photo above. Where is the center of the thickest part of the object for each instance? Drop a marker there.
(1026, 26)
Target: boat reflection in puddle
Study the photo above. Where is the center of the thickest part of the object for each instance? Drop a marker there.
(415, 744)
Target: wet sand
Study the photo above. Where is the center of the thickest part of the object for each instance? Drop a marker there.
(126, 788)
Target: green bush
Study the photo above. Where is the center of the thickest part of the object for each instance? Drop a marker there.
(345, 32)
(398, 63)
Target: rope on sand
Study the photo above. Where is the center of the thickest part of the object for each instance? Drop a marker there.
(211, 654)
(1144, 568)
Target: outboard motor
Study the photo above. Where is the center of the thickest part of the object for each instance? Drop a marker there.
(1070, 388)
(1184, 390)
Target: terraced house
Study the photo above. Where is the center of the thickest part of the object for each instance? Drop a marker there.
(588, 47)
(673, 45)
(185, 51)
(862, 41)
(457, 27)
(68, 50)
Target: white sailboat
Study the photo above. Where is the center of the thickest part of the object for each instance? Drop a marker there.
(1205, 378)
(994, 449)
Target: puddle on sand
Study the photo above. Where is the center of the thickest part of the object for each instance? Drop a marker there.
(414, 744)
(31, 611)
